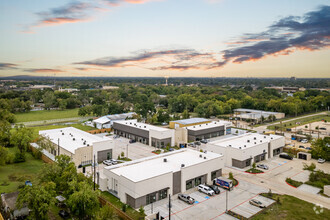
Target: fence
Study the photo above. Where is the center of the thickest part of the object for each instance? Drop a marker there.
(119, 212)
(97, 131)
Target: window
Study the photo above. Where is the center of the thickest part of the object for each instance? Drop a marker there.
(198, 181)
(162, 194)
(151, 198)
(213, 175)
(109, 156)
(189, 184)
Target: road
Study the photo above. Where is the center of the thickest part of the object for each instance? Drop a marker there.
(53, 121)
(262, 128)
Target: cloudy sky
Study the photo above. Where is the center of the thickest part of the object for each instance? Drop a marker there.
(189, 38)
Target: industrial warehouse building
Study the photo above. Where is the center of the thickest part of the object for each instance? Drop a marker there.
(79, 145)
(145, 133)
(241, 151)
(208, 130)
(256, 115)
(150, 179)
(188, 122)
(107, 120)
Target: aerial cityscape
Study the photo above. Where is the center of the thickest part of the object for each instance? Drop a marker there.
(164, 109)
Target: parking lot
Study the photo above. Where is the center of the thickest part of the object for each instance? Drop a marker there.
(212, 207)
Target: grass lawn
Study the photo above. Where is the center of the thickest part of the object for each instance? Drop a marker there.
(46, 115)
(12, 175)
(302, 121)
(116, 202)
(292, 208)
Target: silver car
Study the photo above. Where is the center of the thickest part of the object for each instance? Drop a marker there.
(263, 166)
(186, 198)
(257, 203)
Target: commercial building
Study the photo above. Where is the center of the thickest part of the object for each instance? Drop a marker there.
(256, 115)
(188, 122)
(107, 120)
(150, 179)
(208, 130)
(79, 145)
(241, 151)
(144, 133)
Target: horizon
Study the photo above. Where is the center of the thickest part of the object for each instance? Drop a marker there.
(158, 38)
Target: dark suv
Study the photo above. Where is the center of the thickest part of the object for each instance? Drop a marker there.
(285, 156)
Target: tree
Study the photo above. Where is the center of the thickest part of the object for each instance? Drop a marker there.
(49, 99)
(141, 211)
(185, 114)
(38, 199)
(254, 165)
(62, 103)
(21, 139)
(5, 134)
(106, 213)
(321, 149)
(84, 202)
(3, 155)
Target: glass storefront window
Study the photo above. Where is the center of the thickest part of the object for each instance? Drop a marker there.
(162, 194)
(198, 181)
(189, 184)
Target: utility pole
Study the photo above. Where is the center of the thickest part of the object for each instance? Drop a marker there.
(226, 201)
(58, 147)
(169, 206)
(127, 150)
(94, 172)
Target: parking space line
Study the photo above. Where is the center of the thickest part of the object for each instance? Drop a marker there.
(195, 204)
(236, 206)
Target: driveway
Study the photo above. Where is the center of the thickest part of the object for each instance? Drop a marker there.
(135, 150)
(211, 207)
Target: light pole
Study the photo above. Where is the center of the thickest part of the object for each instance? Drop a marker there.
(127, 150)
(226, 201)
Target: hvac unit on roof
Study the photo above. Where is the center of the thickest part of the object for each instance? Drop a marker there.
(264, 136)
(204, 158)
(255, 138)
(248, 141)
(260, 140)
(206, 124)
(244, 145)
(73, 139)
(60, 130)
(200, 156)
(87, 145)
(255, 142)
(271, 138)
(182, 165)
(62, 133)
(165, 160)
(240, 148)
(145, 126)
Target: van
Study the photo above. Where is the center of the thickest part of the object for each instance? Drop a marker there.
(205, 189)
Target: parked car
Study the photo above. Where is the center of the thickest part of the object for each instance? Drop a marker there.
(114, 161)
(197, 143)
(301, 146)
(320, 160)
(186, 198)
(107, 162)
(64, 214)
(205, 189)
(214, 188)
(308, 148)
(257, 203)
(304, 141)
(191, 144)
(116, 136)
(263, 166)
(204, 141)
(323, 128)
(285, 156)
(132, 141)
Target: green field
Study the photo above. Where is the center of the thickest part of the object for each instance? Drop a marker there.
(302, 121)
(46, 115)
(292, 208)
(12, 175)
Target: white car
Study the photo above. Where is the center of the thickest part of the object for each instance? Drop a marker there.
(205, 189)
(320, 160)
(107, 162)
(304, 141)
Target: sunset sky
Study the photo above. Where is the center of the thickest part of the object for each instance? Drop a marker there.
(186, 38)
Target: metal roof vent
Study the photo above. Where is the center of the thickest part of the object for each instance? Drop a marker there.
(264, 136)
(248, 141)
(271, 138)
(261, 141)
(206, 124)
(240, 148)
(62, 133)
(204, 158)
(165, 160)
(200, 125)
(145, 126)
(60, 130)
(73, 139)
(200, 156)
(255, 142)
(182, 165)
(229, 145)
(87, 144)
(244, 145)
(194, 126)
(255, 138)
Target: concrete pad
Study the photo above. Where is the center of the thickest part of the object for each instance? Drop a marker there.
(309, 189)
(302, 177)
(225, 217)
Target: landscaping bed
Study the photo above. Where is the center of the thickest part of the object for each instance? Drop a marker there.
(293, 183)
(254, 171)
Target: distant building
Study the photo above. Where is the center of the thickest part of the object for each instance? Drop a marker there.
(79, 145)
(107, 121)
(42, 87)
(241, 151)
(188, 122)
(256, 115)
(147, 180)
(145, 133)
(110, 87)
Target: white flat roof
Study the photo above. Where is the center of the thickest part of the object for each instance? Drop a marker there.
(102, 120)
(212, 124)
(140, 125)
(191, 121)
(153, 166)
(66, 140)
(245, 141)
(254, 111)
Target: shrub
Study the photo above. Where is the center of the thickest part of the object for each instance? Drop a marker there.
(254, 165)
(293, 182)
(19, 157)
(231, 176)
(10, 158)
(122, 154)
(310, 167)
(201, 151)
(123, 208)
(141, 211)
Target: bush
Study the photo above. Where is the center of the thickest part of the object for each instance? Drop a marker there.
(122, 154)
(124, 207)
(293, 182)
(231, 176)
(10, 158)
(310, 167)
(19, 157)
